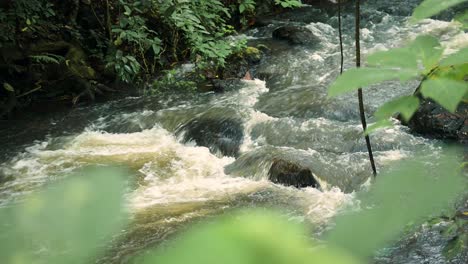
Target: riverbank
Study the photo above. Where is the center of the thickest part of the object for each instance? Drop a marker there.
(68, 52)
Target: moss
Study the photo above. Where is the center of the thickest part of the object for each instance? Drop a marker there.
(456, 247)
(82, 71)
(252, 54)
(263, 48)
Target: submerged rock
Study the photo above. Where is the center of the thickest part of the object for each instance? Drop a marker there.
(295, 35)
(5, 178)
(219, 135)
(291, 174)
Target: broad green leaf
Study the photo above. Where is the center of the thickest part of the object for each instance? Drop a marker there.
(361, 77)
(128, 10)
(457, 72)
(66, 223)
(378, 125)
(460, 57)
(430, 8)
(241, 8)
(410, 193)
(250, 237)
(428, 50)
(446, 92)
(406, 106)
(399, 58)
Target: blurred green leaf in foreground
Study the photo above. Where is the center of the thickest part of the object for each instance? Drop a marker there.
(65, 223)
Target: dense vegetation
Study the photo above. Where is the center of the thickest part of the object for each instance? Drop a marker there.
(72, 49)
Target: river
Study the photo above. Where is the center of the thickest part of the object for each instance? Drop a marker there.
(283, 114)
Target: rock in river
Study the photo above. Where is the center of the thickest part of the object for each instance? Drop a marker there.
(433, 120)
(219, 135)
(291, 174)
(296, 35)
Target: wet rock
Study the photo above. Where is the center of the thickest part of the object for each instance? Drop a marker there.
(239, 64)
(433, 120)
(323, 3)
(295, 35)
(219, 85)
(291, 174)
(219, 135)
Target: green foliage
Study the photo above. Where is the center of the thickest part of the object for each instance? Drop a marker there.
(447, 92)
(246, 6)
(171, 80)
(126, 66)
(406, 106)
(430, 8)
(419, 58)
(463, 19)
(408, 194)
(66, 223)
(354, 79)
(458, 58)
(24, 15)
(197, 26)
(47, 58)
(8, 87)
(249, 237)
(288, 3)
(204, 27)
(134, 40)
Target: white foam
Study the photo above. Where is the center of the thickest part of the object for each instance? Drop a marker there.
(321, 206)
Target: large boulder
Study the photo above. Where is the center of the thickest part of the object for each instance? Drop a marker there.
(219, 135)
(291, 174)
(296, 35)
(433, 120)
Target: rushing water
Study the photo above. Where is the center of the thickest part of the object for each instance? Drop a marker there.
(286, 115)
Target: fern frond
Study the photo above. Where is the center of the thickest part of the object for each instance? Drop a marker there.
(47, 58)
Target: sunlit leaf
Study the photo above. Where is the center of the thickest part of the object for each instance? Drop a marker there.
(361, 77)
(400, 58)
(406, 106)
(446, 92)
(428, 50)
(430, 8)
(251, 237)
(411, 192)
(67, 222)
(378, 125)
(8, 87)
(460, 57)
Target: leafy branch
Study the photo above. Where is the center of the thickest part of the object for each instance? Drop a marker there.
(418, 59)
